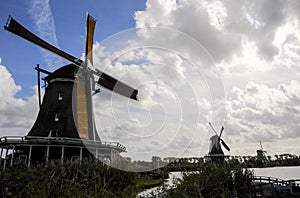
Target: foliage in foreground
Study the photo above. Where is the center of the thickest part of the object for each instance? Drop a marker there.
(91, 179)
(214, 181)
(85, 179)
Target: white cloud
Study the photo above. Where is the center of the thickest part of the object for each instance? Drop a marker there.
(227, 29)
(14, 119)
(267, 113)
(164, 121)
(192, 18)
(256, 47)
(41, 14)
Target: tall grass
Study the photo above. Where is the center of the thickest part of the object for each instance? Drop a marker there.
(80, 179)
(93, 179)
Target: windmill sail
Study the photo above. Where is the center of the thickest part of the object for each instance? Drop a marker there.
(16, 28)
(110, 82)
(90, 27)
(116, 86)
(225, 145)
(82, 111)
(86, 123)
(222, 129)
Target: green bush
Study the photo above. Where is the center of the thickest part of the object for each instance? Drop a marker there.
(214, 181)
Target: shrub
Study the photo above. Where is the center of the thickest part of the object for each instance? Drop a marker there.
(214, 181)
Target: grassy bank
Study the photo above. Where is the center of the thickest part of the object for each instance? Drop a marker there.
(92, 179)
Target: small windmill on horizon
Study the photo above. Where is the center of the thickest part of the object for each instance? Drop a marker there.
(261, 158)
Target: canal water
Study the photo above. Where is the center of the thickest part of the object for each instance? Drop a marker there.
(285, 173)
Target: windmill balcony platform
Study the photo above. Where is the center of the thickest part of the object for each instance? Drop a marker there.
(30, 149)
(216, 155)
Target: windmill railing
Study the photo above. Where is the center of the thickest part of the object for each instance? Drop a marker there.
(276, 181)
(264, 184)
(59, 140)
(21, 147)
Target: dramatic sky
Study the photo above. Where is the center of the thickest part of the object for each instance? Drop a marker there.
(233, 63)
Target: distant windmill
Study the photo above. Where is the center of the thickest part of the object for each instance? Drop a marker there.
(215, 151)
(261, 157)
(262, 149)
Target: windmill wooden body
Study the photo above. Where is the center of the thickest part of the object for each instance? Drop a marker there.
(216, 154)
(65, 124)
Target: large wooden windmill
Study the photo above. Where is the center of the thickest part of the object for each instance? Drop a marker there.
(65, 124)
